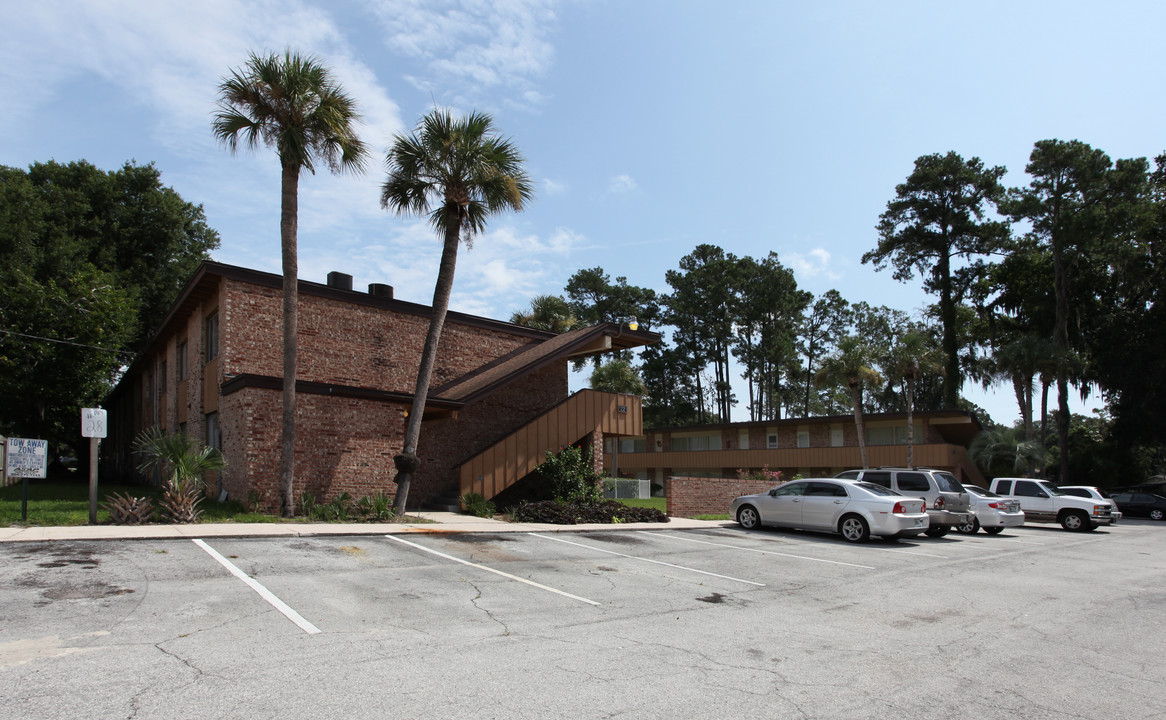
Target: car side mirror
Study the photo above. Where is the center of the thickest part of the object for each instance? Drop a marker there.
(773, 492)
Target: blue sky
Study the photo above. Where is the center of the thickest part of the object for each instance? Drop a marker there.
(649, 127)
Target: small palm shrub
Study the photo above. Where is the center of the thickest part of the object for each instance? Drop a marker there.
(128, 510)
(183, 462)
(477, 504)
(568, 513)
(376, 508)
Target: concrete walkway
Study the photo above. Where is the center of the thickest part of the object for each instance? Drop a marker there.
(437, 522)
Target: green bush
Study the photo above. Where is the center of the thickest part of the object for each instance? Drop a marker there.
(477, 504)
(375, 508)
(571, 475)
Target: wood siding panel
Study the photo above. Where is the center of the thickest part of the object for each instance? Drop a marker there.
(515, 456)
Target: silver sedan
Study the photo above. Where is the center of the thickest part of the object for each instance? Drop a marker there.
(852, 508)
(991, 511)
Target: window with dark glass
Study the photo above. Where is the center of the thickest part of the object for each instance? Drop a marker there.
(913, 482)
(212, 336)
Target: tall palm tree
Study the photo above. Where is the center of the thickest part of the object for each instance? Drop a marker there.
(912, 357)
(851, 365)
(547, 312)
(292, 103)
(459, 172)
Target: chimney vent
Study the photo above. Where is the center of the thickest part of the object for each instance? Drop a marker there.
(380, 290)
(339, 280)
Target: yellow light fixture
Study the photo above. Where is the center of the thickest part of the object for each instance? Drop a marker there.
(633, 325)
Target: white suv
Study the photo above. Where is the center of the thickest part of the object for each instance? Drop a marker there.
(1043, 502)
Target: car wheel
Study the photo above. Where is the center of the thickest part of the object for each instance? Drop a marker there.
(937, 531)
(1076, 521)
(970, 528)
(854, 529)
(994, 530)
(1157, 514)
(748, 518)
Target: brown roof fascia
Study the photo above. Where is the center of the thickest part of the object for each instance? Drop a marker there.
(821, 419)
(492, 377)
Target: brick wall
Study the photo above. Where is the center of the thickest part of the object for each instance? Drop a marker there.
(690, 496)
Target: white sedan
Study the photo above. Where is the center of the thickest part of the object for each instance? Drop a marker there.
(991, 511)
(852, 508)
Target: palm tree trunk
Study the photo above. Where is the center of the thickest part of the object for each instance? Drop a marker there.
(1063, 427)
(408, 462)
(289, 211)
(856, 398)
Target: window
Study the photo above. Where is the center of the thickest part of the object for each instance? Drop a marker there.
(214, 438)
(632, 445)
(685, 443)
(803, 438)
(836, 437)
(212, 336)
(1004, 487)
(771, 440)
(162, 378)
(913, 482)
(793, 488)
(826, 490)
(1025, 488)
(878, 478)
(180, 360)
(880, 435)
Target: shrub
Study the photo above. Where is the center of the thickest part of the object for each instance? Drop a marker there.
(570, 513)
(571, 475)
(128, 510)
(377, 508)
(773, 476)
(182, 461)
(308, 505)
(477, 504)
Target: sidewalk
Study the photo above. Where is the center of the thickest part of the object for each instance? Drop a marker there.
(439, 523)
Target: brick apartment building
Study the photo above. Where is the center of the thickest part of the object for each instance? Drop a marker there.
(498, 399)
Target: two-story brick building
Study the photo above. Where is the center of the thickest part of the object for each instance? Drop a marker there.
(499, 396)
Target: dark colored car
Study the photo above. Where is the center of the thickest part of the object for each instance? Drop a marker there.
(1141, 504)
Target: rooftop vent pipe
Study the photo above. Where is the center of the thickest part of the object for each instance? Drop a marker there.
(339, 280)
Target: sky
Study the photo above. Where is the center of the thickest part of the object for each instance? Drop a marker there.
(648, 127)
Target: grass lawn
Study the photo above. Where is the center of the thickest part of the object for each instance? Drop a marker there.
(656, 503)
(58, 503)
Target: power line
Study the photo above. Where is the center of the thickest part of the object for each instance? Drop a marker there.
(68, 342)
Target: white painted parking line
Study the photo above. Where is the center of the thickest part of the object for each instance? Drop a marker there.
(264, 593)
(756, 550)
(913, 552)
(647, 560)
(492, 570)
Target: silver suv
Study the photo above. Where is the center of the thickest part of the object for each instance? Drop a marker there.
(945, 500)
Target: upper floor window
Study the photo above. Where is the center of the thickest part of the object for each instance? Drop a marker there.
(803, 438)
(162, 378)
(771, 440)
(212, 336)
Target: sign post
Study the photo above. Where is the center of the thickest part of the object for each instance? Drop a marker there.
(26, 459)
(93, 426)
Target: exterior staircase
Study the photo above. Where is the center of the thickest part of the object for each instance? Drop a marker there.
(516, 455)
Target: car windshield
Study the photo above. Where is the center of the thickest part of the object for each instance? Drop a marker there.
(1050, 488)
(947, 482)
(875, 489)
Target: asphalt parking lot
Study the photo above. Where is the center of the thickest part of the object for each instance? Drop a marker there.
(1033, 623)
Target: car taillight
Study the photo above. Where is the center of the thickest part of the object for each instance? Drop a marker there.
(898, 509)
(938, 504)
(995, 506)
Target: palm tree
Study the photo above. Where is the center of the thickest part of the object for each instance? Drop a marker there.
(183, 462)
(290, 102)
(547, 312)
(458, 172)
(1005, 448)
(913, 356)
(618, 376)
(851, 365)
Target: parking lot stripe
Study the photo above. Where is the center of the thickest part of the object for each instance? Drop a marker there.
(264, 593)
(647, 560)
(490, 569)
(757, 550)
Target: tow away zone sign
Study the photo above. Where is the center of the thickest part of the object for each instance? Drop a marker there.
(26, 458)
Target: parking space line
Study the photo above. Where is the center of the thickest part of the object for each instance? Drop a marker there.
(490, 569)
(756, 550)
(264, 593)
(913, 552)
(647, 560)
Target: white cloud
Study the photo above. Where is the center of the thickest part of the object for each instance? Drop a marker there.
(553, 187)
(812, 264)
(474, 45)
(622, 184)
